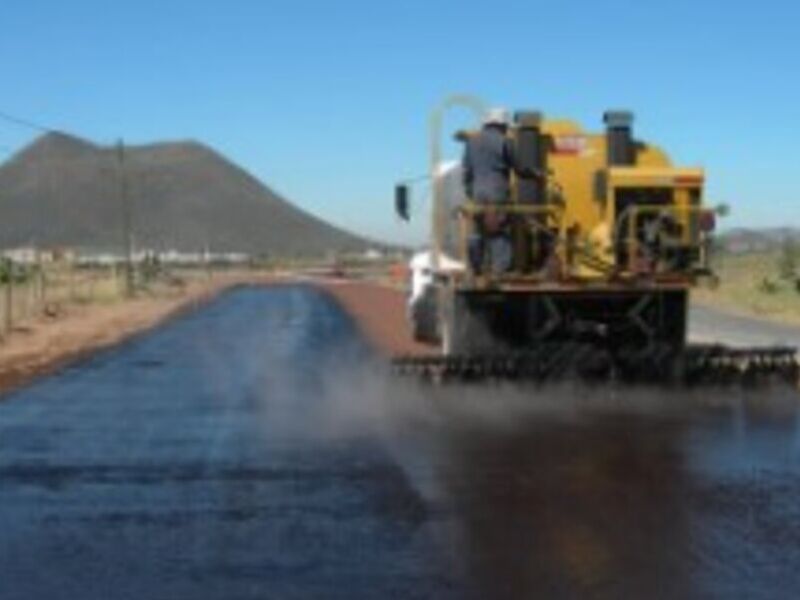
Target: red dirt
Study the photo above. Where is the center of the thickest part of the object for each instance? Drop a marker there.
(380, 312)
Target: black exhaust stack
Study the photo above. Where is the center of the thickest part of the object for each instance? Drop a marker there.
(621, 147)
(530, 157)
(530, 166)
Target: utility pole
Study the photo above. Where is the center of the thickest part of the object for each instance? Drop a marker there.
(207, 259)
(9, 318)
(127, 225)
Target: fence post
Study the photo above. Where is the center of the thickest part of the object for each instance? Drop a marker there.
(39, 284)
(44, 288)
(73, 293)
(22, 299)
(5, 309)
(9, 296)
(31, 301)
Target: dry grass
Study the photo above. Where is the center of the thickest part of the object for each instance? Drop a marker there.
(751, 284)
(63, 289)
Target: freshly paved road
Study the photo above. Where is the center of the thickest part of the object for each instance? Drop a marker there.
(255, 449)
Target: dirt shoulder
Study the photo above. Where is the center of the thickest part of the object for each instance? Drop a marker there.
(380, 313)
(46, 343)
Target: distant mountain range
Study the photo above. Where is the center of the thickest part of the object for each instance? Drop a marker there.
(64, 191)
(742, 240)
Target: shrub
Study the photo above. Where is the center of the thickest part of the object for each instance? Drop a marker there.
(767, 286)
(788, 260)
(9, 270)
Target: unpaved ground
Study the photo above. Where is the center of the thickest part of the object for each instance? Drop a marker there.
(380, 312)
(752, 285)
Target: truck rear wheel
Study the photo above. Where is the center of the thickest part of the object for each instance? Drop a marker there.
(466, 328)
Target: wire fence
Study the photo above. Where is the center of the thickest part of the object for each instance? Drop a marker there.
(30, 293)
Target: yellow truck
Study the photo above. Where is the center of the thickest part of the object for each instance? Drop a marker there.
(608, 237)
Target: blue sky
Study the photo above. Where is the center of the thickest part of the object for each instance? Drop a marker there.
(327, 102)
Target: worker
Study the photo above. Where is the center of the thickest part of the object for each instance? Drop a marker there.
(487, 163)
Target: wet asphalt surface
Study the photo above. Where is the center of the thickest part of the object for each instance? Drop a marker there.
(256, 449)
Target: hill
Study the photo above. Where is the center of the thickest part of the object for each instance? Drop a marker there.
(745, 240)
(64, 191)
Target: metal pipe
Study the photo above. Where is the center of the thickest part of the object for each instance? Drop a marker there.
(620, 147)
(435, 123)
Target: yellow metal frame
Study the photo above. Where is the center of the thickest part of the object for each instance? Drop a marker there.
(682, 212)
(467, 212)
(580, 207)
(666, 176)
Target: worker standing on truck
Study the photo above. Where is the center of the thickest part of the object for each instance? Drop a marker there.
(487, 163)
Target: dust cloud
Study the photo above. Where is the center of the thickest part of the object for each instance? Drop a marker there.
(359, 395)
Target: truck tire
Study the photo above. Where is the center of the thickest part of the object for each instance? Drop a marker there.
(447, 325)
(465, 328)
(424, 316)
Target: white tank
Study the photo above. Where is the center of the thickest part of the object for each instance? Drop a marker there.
(453, 196)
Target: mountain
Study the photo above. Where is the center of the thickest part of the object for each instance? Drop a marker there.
(65, 191)
(743, 240)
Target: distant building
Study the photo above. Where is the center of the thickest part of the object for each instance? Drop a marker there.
(25, 256)
(29, 255)
(373, 254)
(166, 257)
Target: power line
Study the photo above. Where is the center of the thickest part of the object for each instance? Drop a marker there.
(22, 122)
(123, 191)
(127, 222)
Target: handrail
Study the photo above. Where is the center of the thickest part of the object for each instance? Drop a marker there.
(435, 125)
(636, 211)
(473, 208)
(544, 215)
